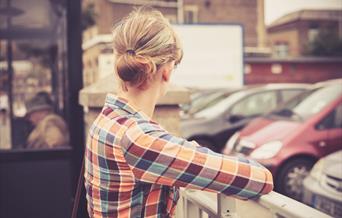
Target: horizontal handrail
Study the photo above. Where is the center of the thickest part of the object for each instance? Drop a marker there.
(286, 207)
(197, 203)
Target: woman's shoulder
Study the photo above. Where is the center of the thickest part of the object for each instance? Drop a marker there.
(111, 119)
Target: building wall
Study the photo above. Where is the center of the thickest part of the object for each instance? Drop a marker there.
(248, 13)
(289, 36)
(305, 26)
(90, 65)
(296, 34)
(260, 73)
(233, 11)
(244, 12)
(109, 13)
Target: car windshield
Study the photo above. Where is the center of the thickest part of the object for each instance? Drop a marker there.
(310, 103)
(205, 101)
(221, 106)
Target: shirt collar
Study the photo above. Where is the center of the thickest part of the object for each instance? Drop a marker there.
(114, 101)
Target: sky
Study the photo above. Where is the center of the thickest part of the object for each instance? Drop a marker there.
(277, 8)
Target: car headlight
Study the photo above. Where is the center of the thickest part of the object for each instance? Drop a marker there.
(231, 142)
(317, 170)
(267, 150)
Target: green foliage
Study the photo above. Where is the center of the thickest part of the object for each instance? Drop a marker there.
(327, 43)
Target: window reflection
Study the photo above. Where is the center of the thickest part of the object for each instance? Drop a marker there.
(32, 61)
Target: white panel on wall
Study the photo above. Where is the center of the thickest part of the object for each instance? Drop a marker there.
(213, 56)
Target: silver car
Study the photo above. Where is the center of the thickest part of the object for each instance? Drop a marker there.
(323, 187)
(212, 126)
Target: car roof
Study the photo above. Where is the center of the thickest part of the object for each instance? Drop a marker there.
(271, 86)
(275, 86)
(285, 86)
(328, 83)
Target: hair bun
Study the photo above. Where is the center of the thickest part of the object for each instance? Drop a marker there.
(135, 69)
(142, 41)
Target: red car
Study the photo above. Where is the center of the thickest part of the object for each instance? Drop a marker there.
(289, 140)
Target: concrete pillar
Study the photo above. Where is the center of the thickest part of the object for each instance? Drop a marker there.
(167, 110)
(261, 29)
(180, 11)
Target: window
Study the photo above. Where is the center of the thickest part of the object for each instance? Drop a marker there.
(281, 49)
(313, 32)
(255, 104)
(32, 60)
(338, 117)
(276, 68)
(317, 100)
(248, 68)
(286, 95)
(190, 14)
(332, 120)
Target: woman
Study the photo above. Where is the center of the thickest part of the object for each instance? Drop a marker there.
(133, 166)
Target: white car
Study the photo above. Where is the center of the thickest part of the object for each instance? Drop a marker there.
(323, 187)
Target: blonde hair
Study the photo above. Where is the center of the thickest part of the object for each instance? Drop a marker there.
(144, 41)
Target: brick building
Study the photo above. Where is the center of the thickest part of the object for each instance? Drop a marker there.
(295, 70)
(290, 34)
(289, 37)
(96, 38)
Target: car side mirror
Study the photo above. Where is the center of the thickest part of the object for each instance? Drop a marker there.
(235, 118)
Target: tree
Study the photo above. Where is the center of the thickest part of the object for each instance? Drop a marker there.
(88, 16)
(326, 43)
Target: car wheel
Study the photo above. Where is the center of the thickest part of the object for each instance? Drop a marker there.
(206, 143)
(290, 178)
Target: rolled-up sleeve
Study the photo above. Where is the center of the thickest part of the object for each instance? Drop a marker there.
(155, 156)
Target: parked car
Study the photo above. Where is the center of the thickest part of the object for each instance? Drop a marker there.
(292, 138)
(201, 99)
(212, 126)
(323, 187)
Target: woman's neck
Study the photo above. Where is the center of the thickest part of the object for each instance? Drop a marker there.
(142, 100)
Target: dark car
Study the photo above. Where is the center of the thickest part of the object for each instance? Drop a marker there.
(212, 126)
(323, 187)
(292, 138)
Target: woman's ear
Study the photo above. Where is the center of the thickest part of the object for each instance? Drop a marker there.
(166, 74)
(166, 71)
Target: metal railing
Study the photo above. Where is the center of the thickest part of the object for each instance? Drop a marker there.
(199, 204)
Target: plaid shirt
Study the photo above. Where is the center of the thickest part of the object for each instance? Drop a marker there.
(134, 167)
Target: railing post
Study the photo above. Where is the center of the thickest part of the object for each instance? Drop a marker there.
(192, 210)
(226, 206)
(181, 209)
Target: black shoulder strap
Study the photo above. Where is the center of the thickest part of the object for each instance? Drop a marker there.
(78, 192)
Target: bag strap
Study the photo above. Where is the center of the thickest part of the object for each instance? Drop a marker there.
(78, 192)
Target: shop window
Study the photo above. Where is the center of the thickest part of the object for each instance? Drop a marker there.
(32, 69)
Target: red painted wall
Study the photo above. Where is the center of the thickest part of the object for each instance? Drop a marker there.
(293, 72)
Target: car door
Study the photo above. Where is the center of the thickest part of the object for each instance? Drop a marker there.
(331, 124)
